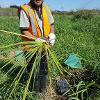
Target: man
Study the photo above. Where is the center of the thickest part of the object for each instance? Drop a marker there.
(36, 21)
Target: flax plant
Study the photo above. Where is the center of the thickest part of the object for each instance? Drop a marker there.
(15, 73)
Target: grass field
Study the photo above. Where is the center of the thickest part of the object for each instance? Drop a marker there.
(80, 36)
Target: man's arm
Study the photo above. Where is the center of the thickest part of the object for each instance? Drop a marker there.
(24, 25)
(27, 33)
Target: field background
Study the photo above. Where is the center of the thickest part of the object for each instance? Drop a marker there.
(75, 35)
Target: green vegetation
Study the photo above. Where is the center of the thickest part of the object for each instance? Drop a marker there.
(78, 36)
(85, 14)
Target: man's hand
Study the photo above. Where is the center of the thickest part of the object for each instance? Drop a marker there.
(51, 38)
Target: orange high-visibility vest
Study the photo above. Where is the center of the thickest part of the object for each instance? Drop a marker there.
(45, 20)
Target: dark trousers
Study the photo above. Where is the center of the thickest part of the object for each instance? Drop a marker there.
(41, 77)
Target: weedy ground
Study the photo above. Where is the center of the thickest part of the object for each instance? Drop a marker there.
(79, 36)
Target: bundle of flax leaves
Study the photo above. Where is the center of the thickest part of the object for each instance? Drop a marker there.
(12, 83)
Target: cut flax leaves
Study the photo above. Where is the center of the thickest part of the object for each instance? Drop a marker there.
(16, 72)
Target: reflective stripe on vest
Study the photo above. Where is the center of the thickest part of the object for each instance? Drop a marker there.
(40, 23)
(32, 20)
